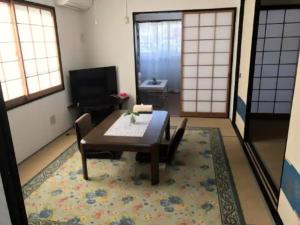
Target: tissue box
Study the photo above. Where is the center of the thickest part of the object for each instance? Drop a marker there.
(142, 108)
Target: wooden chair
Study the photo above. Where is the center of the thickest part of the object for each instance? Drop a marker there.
(167, 150)
(83, 126)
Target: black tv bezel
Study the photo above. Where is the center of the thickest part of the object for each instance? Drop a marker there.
(74, 81)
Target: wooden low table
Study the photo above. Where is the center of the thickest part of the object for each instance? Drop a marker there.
(150, 142)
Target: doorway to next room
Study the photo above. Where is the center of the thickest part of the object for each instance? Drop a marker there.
(158, 55)
(183, 61)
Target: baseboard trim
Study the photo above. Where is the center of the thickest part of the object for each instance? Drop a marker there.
(260, 178)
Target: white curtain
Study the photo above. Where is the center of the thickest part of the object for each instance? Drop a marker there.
(160, 51)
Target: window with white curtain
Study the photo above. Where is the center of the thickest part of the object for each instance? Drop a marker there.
(29, 58)
(160, 51)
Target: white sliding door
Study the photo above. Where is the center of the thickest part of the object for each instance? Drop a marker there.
(206, 62)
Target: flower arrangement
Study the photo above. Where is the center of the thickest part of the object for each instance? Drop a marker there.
(132, 116)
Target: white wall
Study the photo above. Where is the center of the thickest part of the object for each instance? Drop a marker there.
(30, 124)
(249, 11)
(111, 42)
(289, 215)
(4, 214)
(108, 43)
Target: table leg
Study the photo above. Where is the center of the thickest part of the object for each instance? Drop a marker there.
(168, 129)
(84, 164)
(155, 165)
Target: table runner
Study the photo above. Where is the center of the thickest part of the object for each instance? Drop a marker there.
(123, 127)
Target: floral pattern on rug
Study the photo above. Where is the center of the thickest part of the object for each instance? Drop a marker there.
(196, 189)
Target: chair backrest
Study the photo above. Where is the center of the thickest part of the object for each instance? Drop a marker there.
(175, 140)
(83, 126)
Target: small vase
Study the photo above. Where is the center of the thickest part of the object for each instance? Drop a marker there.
(132, 119)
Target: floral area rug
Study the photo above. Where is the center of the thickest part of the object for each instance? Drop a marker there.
(196, 189)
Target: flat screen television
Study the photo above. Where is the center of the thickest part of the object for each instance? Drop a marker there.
(93, 86)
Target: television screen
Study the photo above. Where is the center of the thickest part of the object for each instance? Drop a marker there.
(93, 86)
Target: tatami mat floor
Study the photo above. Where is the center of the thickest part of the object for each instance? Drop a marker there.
(252, 202)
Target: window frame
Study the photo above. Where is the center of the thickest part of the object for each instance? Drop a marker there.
(27, 98)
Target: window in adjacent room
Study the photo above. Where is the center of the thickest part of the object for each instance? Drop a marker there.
(30, 65)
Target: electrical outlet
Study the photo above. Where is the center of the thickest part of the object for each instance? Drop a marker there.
(52, 120)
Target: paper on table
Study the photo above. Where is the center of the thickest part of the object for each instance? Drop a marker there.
(123, 127)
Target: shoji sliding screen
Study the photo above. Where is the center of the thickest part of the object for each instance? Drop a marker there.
(207, 38)
(278, 42)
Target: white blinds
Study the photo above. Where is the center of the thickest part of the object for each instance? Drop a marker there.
(206, 61)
